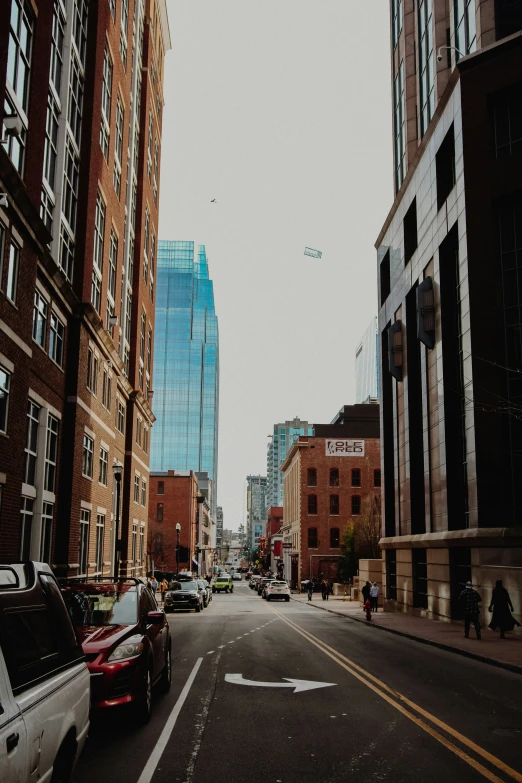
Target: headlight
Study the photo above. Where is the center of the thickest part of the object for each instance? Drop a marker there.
(126, 651)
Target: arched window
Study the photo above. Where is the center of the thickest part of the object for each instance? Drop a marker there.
(334, 538)
(356, 477)
(312, 504)
(334, 504)
(312, 477)
(356, 505)
(312, 538)
(334, 477)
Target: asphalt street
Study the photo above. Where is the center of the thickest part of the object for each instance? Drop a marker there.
(390, 709)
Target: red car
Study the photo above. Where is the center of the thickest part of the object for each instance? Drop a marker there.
(126, 641)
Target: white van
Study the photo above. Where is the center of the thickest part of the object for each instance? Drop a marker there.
(44, 682)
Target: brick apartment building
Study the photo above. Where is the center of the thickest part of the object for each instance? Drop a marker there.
(173, 499)
(328, 479)
(82, 87)
(273, 541)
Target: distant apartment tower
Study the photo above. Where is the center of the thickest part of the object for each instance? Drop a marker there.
(78, 244)
(219, 527)
(282, 439)
(367, 372)
(186, 364)
(256, 509)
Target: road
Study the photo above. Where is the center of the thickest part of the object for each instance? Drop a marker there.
(394, 710)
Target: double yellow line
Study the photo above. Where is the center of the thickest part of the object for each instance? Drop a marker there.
(411, 710)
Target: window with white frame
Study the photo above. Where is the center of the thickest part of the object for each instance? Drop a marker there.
(396, 21)
(149, 149)
(146, 440)
(465, 26)
(105, 128)
(139, 427)
(70, 184)
(124, 18)
(152, 265)
(97, 270)
(46, 532)
(80, 8)
(143, 327)
(120, 417)
(104, 463)
(143, 492)
(31, 442)
(56, 339)
(112, 8)
(155, 181)
(18, 74)
(113, 265)
(136, 488)
(5, 388)
(88, 454)
(75, 108)
(399, 120)
(12, 272)
(128, 315)
(66, 252)
(426, 67)
(142, 545)
(93, 367)
(126, 361)
(47, 209)
(83, 546)
(51, 142)
(58, 34)
(51, 453)
(118, 145)
(146, 234)
(149, 350)
(100, 538)
(134, 544)
(106, 389)
(40, 308)
(26, 526)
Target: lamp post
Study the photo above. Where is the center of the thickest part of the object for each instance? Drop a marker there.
(178, 531)
(117, 471)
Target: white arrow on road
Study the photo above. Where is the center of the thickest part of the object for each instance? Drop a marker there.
(298, 685)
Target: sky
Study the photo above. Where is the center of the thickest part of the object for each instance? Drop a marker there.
(281, 111)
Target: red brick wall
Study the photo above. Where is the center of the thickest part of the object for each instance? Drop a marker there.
(179, 505)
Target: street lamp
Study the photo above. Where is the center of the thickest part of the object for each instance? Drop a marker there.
(439, 52)
(117, 471)
(178, 531)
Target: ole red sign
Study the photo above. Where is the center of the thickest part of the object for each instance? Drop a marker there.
(344, 448)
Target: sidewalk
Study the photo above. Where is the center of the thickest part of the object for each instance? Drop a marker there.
(506, 653)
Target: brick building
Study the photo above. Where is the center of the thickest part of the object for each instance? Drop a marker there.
(80, 168)
(328, 479)
(274, 539)
(173, 499)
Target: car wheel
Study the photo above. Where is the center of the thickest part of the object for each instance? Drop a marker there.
(64, 762)
(143, 704)
(198, 608)
(287, 600)
(166, 675)
(226, 589)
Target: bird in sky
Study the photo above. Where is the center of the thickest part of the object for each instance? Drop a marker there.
(213, 201)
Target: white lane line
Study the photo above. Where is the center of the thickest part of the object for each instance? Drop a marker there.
(238, 637)
(221, 646)
(154, 758)
(232, 642)
(210, 652)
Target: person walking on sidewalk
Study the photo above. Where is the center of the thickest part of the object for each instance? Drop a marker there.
(500, 605)
(374, 597)
(469, 600)
(324, 589)
(366, 592)
(163, 589)
(310, 589)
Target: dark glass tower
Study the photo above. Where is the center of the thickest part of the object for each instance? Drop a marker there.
(186, 363)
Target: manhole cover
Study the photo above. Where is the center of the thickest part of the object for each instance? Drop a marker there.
(507, 732)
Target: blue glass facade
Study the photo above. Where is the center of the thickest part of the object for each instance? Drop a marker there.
(186, 363)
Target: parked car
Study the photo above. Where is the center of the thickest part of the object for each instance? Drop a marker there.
(44, 682)
(262, 582)
(184, 594)
(125, 638)
(206, 591)
(223, 582)
(236, 577)
(254, 580)
(277, 588)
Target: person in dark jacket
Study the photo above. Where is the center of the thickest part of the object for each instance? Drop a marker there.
(500, 605)
(469, 600)
(366, 592)
(310, 589)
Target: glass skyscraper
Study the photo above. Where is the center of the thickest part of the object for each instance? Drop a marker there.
(186, 363)
(367, 380)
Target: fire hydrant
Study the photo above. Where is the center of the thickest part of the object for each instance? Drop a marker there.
(368, 609)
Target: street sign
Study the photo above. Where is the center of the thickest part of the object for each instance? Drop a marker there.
(298, 685)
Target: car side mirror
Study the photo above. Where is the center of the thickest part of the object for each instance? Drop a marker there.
(155, 618)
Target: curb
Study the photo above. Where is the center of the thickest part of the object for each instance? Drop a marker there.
(510, 667)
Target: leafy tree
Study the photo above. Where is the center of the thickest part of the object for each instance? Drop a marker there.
(349, 561)
(368, 529)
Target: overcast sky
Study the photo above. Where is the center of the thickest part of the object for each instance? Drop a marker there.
(280, 110)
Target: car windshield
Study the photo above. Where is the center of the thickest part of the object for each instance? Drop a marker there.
(102, 607)
(183, 586)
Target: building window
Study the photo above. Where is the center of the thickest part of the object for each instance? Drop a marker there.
(334, 477)
(51, 142)
(149, 149)
(100, 537)
(12, 272)
(161, 487)
(105, 128)
(312, 504)
(410, 231)
(66, 253)
(312, 477)
(356, 505)
(83, 547)
(136, 489)
(334, 538)
(419, 572)
(155, 182)
(70, 185)
(445, 167)
(51, 453)
(391, 574)
(142, 545)
(118, 145)
(31, 442)
(46, 533)
(18, 72)
(465, 27)
(146, 235)
(146, 440)
(356, 477)
(507, 120)
(5, 387)
(97, 270)
(113, 265)
(159, 512)
(134, 543)
(396, 21)
(88, 452)
(334, 505)
(399, 125)
(92, 371)
(58, 33)
(104, 462)
(75, 107)
(143, 492)
(139, 429)
(312, 538)
(152, 265)
(385, 277)
(26, 525)
(426, 74)
(124, 18)
(56, 340)
(376, 478)
(120, 417)
(40, 307)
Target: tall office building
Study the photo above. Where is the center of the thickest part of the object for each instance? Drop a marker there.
(283, 437)
(186, 364)
(82, 87)
(256, 509)
(449, 258)
(367, 371)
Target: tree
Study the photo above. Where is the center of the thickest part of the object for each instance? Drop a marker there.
(368, 529)
(348, 561)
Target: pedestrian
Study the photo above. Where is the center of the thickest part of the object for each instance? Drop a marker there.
(500, 605)
(366, 592)
(374, 597)
(327, 588)
(154, 585)
(163, 589)
(324, 589)
(469, 599)
(310, 589)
